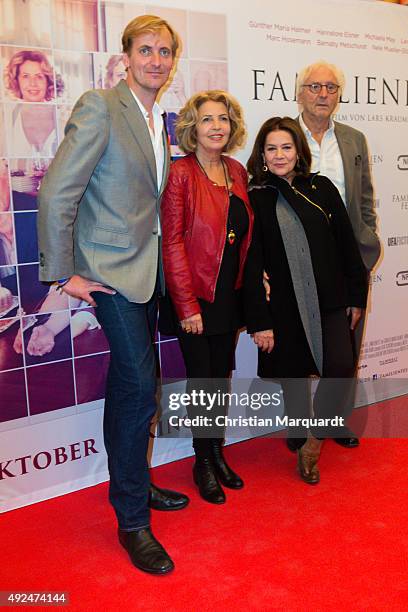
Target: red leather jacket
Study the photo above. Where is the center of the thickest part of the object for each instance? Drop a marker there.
(194, 215)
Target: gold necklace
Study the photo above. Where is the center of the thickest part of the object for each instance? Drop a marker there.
(213, 182)
(231, 235)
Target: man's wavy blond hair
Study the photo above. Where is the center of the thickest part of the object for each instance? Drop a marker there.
(150, 24)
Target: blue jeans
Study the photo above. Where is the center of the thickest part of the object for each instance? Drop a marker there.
(130, 403)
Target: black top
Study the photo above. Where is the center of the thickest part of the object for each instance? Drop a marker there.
(224, 314)
(339, 272)
(321, 226)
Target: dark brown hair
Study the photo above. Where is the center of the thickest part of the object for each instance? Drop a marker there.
(256, 162)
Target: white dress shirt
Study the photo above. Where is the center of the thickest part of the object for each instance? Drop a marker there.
(157, 141)
(326, 157)
(156, 136)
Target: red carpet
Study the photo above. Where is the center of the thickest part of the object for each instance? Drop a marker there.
(278, 544)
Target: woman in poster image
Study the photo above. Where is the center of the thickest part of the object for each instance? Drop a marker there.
(174, 95)
(115, 71)
(29, 77)
(304, 242)
(33, 131)
(207, 227)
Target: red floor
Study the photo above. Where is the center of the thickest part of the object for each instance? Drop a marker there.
(278, 544)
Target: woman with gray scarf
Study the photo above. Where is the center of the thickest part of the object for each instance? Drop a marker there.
(304, 244)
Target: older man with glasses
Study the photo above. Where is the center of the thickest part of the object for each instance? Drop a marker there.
(340, 153)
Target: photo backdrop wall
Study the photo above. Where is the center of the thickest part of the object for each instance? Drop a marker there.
(51, 405)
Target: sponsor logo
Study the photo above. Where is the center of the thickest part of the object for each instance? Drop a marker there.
(376, 159)
(11, 468)
(402, 162)
(402, 278)
(375, 278)
(397, 241)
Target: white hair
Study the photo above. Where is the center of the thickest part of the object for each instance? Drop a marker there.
(304, 74)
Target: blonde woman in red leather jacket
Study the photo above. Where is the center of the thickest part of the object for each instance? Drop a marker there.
(206, 231)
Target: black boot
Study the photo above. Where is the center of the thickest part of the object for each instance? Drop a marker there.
(206, 480)
(225, 475)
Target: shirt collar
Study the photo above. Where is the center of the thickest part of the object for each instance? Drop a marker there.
(156, 110)
(304, 127)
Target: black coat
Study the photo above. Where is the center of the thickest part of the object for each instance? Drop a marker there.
(339, 272)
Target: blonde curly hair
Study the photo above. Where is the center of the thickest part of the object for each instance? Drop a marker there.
(13, 68)
(186, 123)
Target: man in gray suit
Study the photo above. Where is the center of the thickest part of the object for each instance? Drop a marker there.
(99, 239)
(340, 153)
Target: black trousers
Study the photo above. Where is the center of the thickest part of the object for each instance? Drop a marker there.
(208, 361)
(336, 387)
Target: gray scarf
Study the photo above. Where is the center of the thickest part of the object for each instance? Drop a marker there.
(301, 270)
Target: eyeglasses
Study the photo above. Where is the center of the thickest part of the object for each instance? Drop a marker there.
(316, 88)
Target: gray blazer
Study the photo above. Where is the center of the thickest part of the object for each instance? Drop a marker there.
(99, 201)
(359, 191)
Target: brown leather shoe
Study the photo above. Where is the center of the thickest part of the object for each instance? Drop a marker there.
(308, 456)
